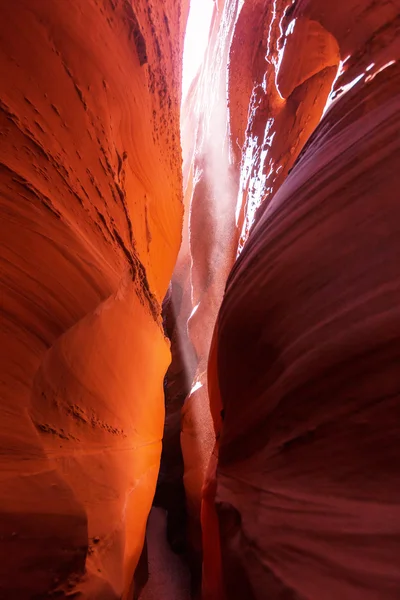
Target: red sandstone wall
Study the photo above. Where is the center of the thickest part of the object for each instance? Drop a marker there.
(238, 104)
(249, 114)
(304, 362)
(297, 448)
(91, 215)
(211, 245)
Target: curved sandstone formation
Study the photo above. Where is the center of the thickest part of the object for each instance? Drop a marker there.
(303, 372)
(252, 114)
(212, 244)
(91, 216)
(273, 250)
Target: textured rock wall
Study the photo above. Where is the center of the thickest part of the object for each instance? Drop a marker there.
(304, 359)
(292, 464)
(177, 307)
(251, 114)
(211, 247)
(90, 227)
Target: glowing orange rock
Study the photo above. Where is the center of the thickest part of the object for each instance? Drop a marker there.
(91, 217)
(96, 438)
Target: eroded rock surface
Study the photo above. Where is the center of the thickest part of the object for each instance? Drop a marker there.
(290, 389)
(304, 358)
(91, 218)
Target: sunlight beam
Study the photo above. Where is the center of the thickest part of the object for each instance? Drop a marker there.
(196, 39)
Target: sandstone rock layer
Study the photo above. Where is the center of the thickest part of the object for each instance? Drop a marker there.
(304, 361)
(91, 217)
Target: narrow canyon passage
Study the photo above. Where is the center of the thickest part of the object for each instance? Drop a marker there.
(199, 299)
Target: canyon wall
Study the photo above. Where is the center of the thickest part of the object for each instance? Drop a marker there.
(245, 121)
(211, 247)
(247, 117)
(91, 219)
(289, 389)
(301, 496)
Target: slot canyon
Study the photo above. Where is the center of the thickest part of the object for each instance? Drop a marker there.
(200, 300)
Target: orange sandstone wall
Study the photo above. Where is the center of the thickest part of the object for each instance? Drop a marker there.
(90, 227)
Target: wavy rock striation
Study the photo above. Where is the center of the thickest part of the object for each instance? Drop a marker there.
(91, 217)
(301, 497)
(282, 309)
